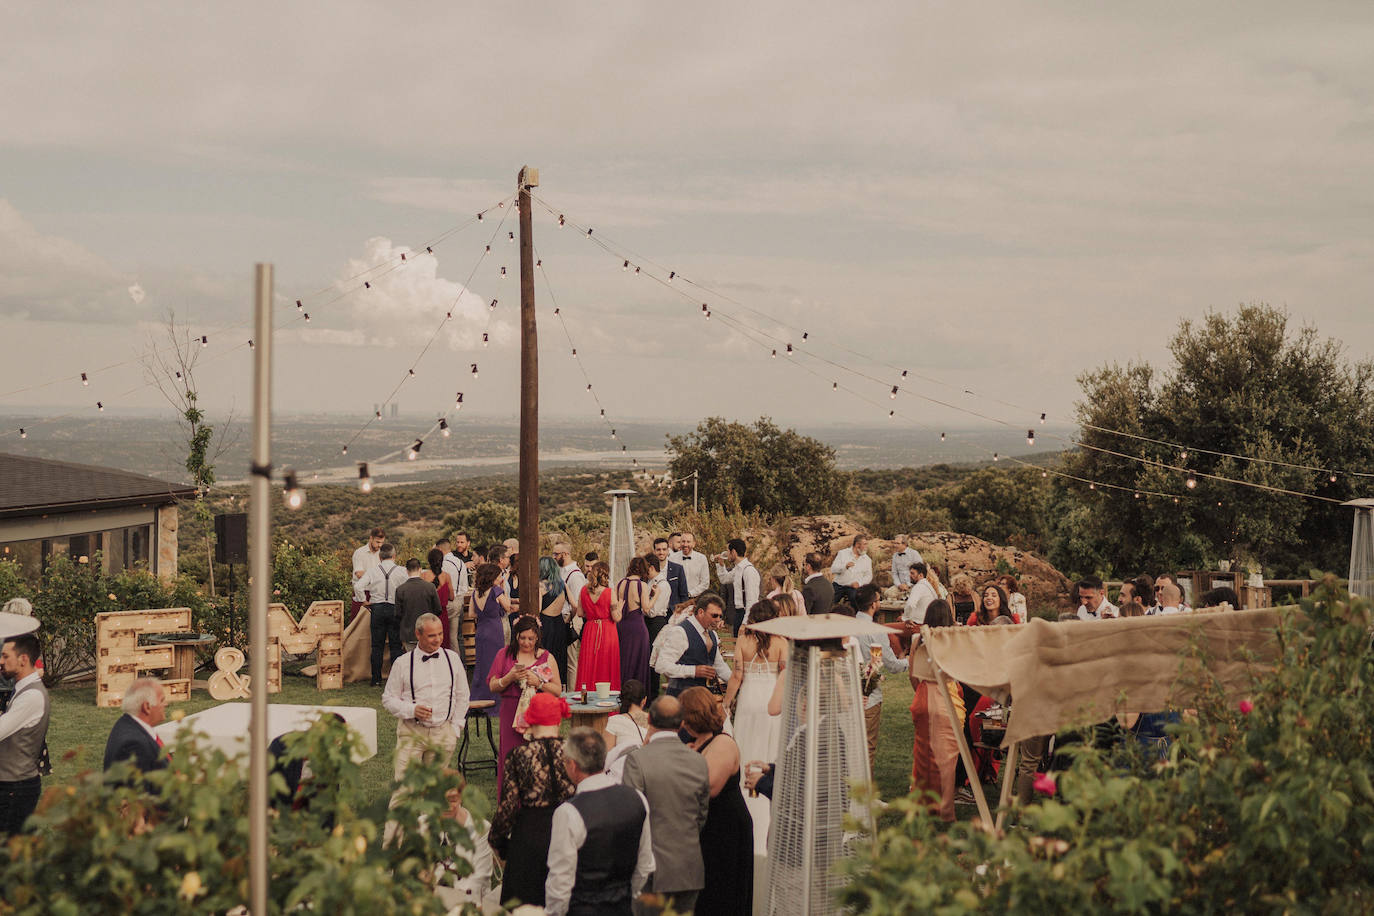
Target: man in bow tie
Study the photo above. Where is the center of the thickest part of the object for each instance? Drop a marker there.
(427, 692)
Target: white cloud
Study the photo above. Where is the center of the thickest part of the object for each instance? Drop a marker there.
(47, 278)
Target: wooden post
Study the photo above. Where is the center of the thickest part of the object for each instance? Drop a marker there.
(529, 404)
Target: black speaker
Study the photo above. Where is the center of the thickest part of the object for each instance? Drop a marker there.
(231, 538)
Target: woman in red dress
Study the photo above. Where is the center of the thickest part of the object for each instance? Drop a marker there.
(444, 586)
(600, 656)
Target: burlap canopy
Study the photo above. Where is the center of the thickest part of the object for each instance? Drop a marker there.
(1077, 672)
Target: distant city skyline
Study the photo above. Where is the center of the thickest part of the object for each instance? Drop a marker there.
(995, 198)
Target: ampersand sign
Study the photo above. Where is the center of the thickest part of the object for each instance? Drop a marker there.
(227, 683)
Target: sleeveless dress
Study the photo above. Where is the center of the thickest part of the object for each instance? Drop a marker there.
(445, 596)
(599, 659)
(490, 641)
(730, 863)
(554, 634)
(756, 733)
(634, 636)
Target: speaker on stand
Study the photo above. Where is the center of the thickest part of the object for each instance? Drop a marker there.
(231, 547)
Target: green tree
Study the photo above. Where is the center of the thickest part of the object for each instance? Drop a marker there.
(488, 522)
(1242, 384)
(759, 467)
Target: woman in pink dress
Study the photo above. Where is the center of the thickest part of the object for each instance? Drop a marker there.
(600, 656)
(521, 663)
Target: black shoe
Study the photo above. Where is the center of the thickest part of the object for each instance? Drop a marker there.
(376, 683)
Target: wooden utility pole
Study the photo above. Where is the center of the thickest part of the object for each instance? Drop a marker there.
(529, 404)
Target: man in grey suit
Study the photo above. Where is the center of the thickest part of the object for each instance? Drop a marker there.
(816, 590)
(677, 785)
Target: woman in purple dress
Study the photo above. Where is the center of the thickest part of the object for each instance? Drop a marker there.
(520, 664)
(635, 596)
(489, 605)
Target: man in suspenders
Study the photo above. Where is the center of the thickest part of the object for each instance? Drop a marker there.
(23, 734)
(573, 583)
(381, 583)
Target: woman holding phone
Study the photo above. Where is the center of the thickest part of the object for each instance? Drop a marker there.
(519, 668)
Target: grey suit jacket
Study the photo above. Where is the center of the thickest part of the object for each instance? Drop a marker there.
(819, 595)
(674, 779)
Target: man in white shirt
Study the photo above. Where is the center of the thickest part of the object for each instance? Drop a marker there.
(455, 567)
(573, 582)
(381, 583)
(920, 596)
(427, 692)
(902, 558)
(364, 559)
(1161, 606)
(690, 653)
(852, 567)
(675, 545)
(23, 734)
(695, 564)
(1170, 600)
(743, 579)
(1093, 601)
(867, 597)
(601, 850)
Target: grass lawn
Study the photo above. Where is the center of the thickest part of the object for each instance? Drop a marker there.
(79, 729)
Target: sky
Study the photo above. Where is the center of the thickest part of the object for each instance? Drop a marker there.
(994, 197)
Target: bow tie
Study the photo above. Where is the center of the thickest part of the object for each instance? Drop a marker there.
(425, 658)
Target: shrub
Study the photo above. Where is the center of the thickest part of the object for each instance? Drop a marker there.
(1262, 807)
(488, 522)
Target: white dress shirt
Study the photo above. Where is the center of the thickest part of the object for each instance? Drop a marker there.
(364, 559)
(566, 837)
(861, 573)
(1105, 610)
(382, 581)
(675, 644)
(745, 579)
(457, 572)
(697, 568)
(661, 596)
(901, 564)
(573, 583)
(432, 687)
(917, 600)
(26, 709)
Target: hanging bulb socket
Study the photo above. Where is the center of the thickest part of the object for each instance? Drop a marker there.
(625, 266)
(204, 340)
(367, 284)
(560, 221)
(479, 217)
(510, 236)
(474, 375)
(364, 478)
(414, 451)
(893, 395)
(299, 305)
(85, 381)
(250, 344)
(23, 433)
(412, 373)
(458, 404)
(293, 495)
(306, 316)
(443, 428)
(503, 273)
(903, 375)
(493, 305)
(1042, 418)
(589, 233)
(834, 386)
(805, 334)
(775, 354)
(345, 450)
(1191, 482)
(789, 349)
(671, 274)
(99, 406)
(1030, 437)
(942, 437)
(485, 338)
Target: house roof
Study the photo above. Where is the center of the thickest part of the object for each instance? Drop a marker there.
(36, 486)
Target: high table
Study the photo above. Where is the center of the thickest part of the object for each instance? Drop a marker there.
(184, 649)
(592, 714)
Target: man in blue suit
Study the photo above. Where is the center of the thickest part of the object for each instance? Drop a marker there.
(675, 578)
(133, 738)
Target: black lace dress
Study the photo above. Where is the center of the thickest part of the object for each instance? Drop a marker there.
(536, 783)
(727, 844)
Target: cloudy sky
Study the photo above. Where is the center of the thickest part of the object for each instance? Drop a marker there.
(993, 196)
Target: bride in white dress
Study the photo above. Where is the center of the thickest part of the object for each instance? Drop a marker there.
(759, 659)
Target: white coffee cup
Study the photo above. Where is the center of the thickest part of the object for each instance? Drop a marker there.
(603, 690)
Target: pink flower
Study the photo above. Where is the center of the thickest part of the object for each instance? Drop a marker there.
(1045, 783)
(1245, 707)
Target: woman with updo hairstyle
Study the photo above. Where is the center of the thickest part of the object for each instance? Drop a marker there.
(489, 605)
(599, 660)
(727, 837)
(443, 584)
(935, 745)
(636, 594)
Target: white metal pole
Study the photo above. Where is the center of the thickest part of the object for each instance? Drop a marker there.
(260, 575)
(811, 775)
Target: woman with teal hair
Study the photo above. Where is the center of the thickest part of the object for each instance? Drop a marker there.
(553, 603)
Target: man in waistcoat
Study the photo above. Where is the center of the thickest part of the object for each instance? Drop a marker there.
(381, 582)
(690, 654)
(23, 733)
(600, 847)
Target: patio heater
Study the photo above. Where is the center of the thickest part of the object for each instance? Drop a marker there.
(1362, 549)
(822, 754)
(622, 533)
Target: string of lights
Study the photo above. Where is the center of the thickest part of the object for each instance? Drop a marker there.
(789, 348)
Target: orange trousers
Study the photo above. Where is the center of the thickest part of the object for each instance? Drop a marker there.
(935, 750)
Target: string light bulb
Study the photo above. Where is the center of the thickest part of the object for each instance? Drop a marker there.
(503, 273)
(293, 495)
(443, 428)
(942, 437)
(775, 353)
(306, 316)
(589, 233)
(377, 414)
(1030, 437)
(893, 395)
(1042, 418)
(474, 375)
(487, 250)
(364, 478)
(625, 266)
(299, 305)
(178, 373)
(996, 457)
(99, 406)
(1183, 456)
(458, 404)
(1191, 482)
(834, 386)
(1092, 486)
(345, 450)
(671, 274)
(250, 344)
(708, 316)
(805, 334)
(429, 249)
(891, 414)
(789, 349)
(589, 386)
(1044, 473)
(412, 373)
(493, 302)
(479, 216)
(23, 433)
(560, 221)
(85, 382)
(1332, 478)
(636, 271)
(510, 236)
(485, 338)
(903, 375)
(414, 451)
(204, 340)
(367, 284)
(574, 352)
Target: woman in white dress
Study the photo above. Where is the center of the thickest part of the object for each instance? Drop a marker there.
(626, 730)
(759, 659)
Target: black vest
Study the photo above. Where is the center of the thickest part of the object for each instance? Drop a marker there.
(614, 818)
(699, 652)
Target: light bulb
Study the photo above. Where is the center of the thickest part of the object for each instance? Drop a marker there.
(429, 249)
(378, 414)
(204, 340)
(510, 236)
(345, 450)
(459, 400)
(589, 233)
(1042, 418)
(99, 406)
(443, 428)
(893, 395)
(293, 495)
(708, 316)
(1044, 473)
(1092, 486)
(23, 433)
(1182, 456)
(479, 217)
(474, 372)
(903, 375)
(493, 305)
(1333, 477)
(636, 271)
(299, 305)
(834, 386)
(367, 284)
(942, 437)
(625, 266)
(1030, 437)
(574, 352)
(891, 414)
(996, 457)
(805, 334)
(560, 221)
(775, 354)
(306, 316)
(250, 344)
(178, 373)
(85, 382)
(485, 338)
(503, 273)
(364, 479)
(1191, 482)
(487, 250)
(415, 450)
(789, 349)
(671, 274)
(412, 373)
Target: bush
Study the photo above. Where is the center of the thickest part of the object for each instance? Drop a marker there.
(1265, 807)
(486, 523)
(94, 847)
